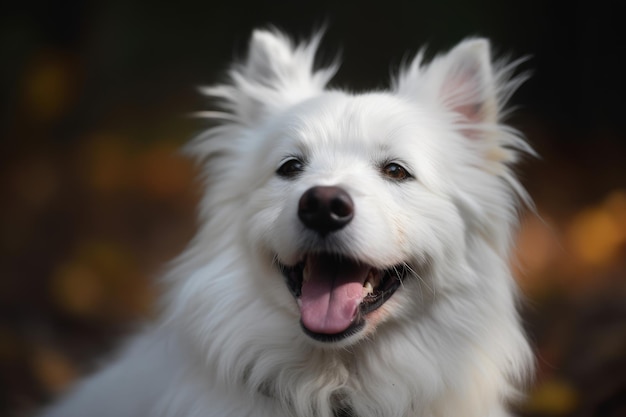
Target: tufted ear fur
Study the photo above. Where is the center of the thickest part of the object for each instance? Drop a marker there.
(473, 90)
(275, 74)
(467, 84)
(462, 82)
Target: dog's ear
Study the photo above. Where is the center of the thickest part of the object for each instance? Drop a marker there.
(467, 85)
(274, 61)
(276, 73)
(461, 82)
(472, 90)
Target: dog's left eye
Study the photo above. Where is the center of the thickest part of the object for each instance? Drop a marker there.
(396, 172)
(290, 168)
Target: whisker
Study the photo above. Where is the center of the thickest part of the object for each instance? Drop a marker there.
(398, 275)
(422, 280)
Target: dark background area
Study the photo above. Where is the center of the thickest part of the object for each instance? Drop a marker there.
(96, 200)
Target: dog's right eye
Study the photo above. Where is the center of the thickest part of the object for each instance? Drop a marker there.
(290, 168)
(396, 172)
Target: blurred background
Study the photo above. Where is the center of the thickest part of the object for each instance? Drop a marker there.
(96, 200)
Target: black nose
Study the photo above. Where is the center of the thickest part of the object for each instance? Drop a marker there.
(325, 209)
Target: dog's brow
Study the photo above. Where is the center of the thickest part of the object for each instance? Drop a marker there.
(384, 148)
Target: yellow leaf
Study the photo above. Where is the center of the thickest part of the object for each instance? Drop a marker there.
(594, 236)
(53, 370)
(163, 173)
(553, 397)
(77, 289)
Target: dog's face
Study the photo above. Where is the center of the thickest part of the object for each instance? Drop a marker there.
(360, 203)
(353, 205)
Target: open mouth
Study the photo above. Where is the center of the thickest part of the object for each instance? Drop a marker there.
(336, 293)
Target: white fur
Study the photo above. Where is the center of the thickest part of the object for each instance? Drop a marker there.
(448, 342)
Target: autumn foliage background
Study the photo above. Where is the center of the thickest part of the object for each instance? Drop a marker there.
(96, 200)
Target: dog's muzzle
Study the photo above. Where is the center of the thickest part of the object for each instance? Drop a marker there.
(335, 292)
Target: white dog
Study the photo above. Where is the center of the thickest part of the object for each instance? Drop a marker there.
(352, 259)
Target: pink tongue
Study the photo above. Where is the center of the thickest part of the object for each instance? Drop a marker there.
(332, 293)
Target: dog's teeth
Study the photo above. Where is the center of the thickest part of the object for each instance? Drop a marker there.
(368, 287)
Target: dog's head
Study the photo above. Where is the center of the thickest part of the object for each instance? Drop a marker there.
(362, 205)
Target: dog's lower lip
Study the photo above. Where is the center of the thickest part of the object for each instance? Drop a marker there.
(354, 328)
(379, 286)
